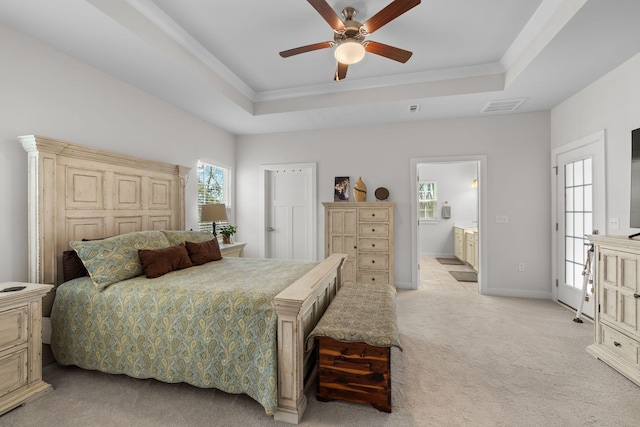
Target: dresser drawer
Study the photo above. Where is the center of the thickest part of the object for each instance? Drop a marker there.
(13, 327)
(373, 230)
(373, 276)
(623, 346)
(13, 371)
(379, 245)
(373, 261)
(373, 214)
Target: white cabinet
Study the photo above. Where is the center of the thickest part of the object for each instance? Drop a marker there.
(458, 243)
(465, 245)
(21, 344)
(364, 232)
(235, 249)
(617, 314)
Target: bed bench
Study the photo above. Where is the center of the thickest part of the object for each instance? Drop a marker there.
(355, 336)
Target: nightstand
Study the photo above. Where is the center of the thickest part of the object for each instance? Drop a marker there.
(234, 249)
(21, 344)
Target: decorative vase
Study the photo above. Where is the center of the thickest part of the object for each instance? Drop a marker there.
(226, 239)
(360, 191)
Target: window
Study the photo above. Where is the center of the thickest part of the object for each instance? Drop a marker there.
(213, 187)
(427, 200)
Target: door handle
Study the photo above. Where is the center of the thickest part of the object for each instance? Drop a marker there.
(271, 229)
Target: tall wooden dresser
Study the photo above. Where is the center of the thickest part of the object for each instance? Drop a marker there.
(21, 344)
(617, 299)
(364, 232)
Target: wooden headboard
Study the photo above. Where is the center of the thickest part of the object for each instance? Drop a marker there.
(77, 192)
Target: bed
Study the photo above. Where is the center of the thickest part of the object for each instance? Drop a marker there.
(78, 193)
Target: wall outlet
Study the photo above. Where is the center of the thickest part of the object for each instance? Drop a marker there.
(521, 266)
(614, 223)
(502, 219)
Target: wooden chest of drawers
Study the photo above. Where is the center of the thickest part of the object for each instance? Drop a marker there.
(617, 313)
(363, 231)
(21, 344)
(355, 372)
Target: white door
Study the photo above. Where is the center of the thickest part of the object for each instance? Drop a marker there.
(580, 212)
(290, 211)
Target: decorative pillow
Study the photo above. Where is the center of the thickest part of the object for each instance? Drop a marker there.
(175, 237)
(204, 252)
(72, 266)
(116, 258)
(158, 262)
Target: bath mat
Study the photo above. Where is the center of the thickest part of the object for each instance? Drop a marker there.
(450, 261)
(465, 276)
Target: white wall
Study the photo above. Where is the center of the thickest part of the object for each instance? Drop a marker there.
(611, 103)
(47, 93)
(453, 181)
(518, 184)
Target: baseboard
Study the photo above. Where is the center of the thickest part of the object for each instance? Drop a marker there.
(404, 285)
(517, 293)
(439, 255)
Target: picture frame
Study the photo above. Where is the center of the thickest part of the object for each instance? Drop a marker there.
(341, 189)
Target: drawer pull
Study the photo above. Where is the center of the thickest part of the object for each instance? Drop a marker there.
(373, 279)
(617, 344)
(373, 214)
(636, 295)
(373, 261)
(373, 230)
(373, 245)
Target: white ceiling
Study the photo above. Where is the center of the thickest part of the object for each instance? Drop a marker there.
(219, 60)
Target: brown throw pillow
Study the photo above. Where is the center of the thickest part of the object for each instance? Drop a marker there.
(202, 253)
(72, 266)
(158, 262)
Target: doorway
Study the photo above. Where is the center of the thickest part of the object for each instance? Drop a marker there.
(289, 211)
(460, 184)
(579, 210)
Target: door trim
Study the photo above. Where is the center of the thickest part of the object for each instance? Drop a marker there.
(596, 139)
(482, 214)
(313, 233)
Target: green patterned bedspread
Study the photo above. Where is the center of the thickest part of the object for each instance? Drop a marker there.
(361, 312)
(212, 325)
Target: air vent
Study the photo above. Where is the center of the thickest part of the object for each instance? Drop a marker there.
(414, 108)
(502, 106)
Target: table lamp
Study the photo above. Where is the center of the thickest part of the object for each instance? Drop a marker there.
(213, 213)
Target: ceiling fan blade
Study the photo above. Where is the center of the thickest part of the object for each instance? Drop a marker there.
(387, 51)
(389, 13)
(307, 48)
(341, 72)
(328, 14)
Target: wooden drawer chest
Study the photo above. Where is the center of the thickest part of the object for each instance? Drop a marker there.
(364, 232)
(355, 372)
(21, 344)
(353, 345)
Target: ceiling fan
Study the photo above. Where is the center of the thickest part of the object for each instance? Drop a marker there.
(350, 35)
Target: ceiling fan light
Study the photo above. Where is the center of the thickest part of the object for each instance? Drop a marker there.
(349, 52)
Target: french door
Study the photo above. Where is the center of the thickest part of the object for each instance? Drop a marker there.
(580, 212)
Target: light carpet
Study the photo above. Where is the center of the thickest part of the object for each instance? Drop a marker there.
(468, 360)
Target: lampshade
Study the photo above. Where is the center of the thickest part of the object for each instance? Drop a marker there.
(349, 52)
(215, 212)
